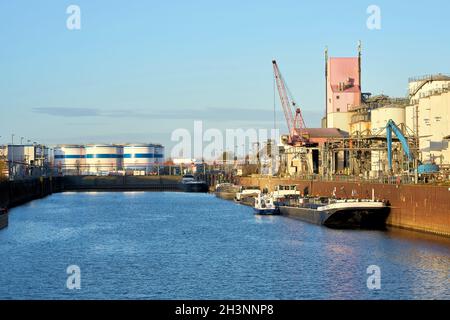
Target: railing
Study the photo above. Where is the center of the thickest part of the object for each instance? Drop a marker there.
(427, 77)
(392, 180)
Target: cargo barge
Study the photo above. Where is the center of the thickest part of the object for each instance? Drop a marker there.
(226, 191)
(190, 184)
(340, 214)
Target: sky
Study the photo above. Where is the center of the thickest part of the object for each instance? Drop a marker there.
(138, 70)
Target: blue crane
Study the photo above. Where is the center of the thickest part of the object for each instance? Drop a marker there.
(392, 127)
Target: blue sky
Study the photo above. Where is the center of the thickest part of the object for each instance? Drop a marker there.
(137, 70)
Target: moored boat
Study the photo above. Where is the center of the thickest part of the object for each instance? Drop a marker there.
(190, 184)
(246, 192)
(339, 214)
(282, 192)
(226, 191)
(264, 205)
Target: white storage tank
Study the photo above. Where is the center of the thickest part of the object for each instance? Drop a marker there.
(138, 157)
(104, 159)
(70, 159)
(381, 116)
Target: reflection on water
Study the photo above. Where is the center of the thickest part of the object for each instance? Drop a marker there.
(138, 245)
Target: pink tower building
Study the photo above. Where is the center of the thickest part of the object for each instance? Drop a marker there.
(343, 90)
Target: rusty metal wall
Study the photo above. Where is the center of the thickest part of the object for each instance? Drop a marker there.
(417, 207)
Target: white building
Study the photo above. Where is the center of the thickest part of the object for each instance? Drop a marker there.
(429, 116)
(26, 160)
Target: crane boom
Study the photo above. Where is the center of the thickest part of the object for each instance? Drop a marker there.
(285, 103)
(292, 113)
(391, 126)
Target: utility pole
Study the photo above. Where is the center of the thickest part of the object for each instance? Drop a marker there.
(12, 158)
(325, 124)
(416, 163)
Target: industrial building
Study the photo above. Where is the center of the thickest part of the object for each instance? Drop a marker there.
(423, 118)
(429, 115)
(25, 160)
(374, 136)
(343, 90)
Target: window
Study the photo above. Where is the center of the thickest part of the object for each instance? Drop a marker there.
(338, 109)
(337, 97)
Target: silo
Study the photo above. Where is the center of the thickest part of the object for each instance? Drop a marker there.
(103, 159)
(159, 154)
(70, 159)
(381, 116)
(138, 157)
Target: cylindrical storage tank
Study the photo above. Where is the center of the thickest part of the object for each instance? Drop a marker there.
(104, 159)
(70, 159)
(138, 157)
(381, 116)
(159, 154)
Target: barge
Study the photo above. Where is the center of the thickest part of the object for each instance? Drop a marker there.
(339, 214)
(190, 184)
(226, 191)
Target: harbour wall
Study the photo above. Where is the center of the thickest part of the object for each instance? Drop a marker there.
(423, 208)
(14, 193)
(121, 183)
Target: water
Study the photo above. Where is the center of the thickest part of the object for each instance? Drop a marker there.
(137, 245)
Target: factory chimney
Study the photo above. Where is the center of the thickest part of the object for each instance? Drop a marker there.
(359, 62)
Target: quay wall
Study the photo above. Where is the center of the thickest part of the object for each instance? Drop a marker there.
(14, 193)
(423, 208)
(122, 183)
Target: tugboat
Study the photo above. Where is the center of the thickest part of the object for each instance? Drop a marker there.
(3, 218)
(339, 214)
(190, 184)
(264, 206)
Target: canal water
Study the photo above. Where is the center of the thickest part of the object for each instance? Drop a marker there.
(138, 245)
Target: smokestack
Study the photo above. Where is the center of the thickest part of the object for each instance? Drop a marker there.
(359, 62)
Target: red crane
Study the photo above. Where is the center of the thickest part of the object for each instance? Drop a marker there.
(292, 113)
